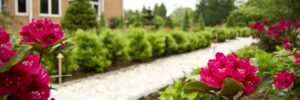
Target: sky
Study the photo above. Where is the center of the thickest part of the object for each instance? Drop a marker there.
(171, 5)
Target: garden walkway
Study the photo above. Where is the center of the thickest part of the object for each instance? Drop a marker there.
(139, 80)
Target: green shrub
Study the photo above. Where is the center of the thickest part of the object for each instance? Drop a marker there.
(219, 35)
(193, 41)
(89, 52)
(231, 33)
(171, 44)
(139, 46)
(244, 32)
(249, 51)
(79, 15)
(116, 44)
(159, 21)
(182, 41)
(245, 15)
(203, 41)
(158, 43)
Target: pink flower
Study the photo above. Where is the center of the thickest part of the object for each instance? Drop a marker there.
(5, 47)
(259, 27)
(26, 80)
(297, 58)
(250, 83)
(297, 25)
(286, 44)
(284, 24)
(4, 37)
(207, 77)
(42, 32)
(230, 66)
(37, 90)
(218, 66)
(284, 79)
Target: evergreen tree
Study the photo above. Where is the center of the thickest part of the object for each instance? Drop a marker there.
(160, 10)
(185, 23)
(156, 10)
(163, 10)
(144, 10)
(79, 15)
(169, 23)
(214, 11)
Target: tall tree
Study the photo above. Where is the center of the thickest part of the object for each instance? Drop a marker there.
(214, 11)
(160, 10)
(79, 15)
(186, 22)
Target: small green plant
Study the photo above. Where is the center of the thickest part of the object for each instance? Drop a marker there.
(139, 46)
(158, 43)
(116, 44)
(89, 52)
(79, 15)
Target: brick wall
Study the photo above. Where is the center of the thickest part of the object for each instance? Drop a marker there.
(112, 8)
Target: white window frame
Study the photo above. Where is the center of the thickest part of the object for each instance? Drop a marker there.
(49, 14)
(1, 7)
(17, 9)
(96, 3)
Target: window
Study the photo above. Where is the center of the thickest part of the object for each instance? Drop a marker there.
(1, 7)
(50, 7)
(21, 7)
(95, 5)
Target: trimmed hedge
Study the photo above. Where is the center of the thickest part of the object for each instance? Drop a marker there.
(98, 52)
(139, 46)
(89, 52)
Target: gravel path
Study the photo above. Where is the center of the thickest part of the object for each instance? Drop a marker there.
(138, 80)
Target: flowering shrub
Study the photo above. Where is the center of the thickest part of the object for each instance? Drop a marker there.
(41, 32)
(225, 76)
(22, 77)
(282, 33)
(283, 80)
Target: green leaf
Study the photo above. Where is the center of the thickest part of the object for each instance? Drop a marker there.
(20, 55)
(230, 88)
(3, 97)
(195, 86)
(265, 83)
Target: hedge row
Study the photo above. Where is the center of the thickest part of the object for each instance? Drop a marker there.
(94, 52)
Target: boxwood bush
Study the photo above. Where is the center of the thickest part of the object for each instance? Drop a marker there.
(182, 41)
(158, 43)
(116, 44)
(89, 52)
(139, 46)
(97, 52)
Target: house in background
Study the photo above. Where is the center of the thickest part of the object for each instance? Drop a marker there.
(26, 10)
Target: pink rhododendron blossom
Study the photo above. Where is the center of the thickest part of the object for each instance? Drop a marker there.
(27, 80)
(284, 24)
(283, 80)
(230, 66)
(297, 58)
(259, 27)
(4, 36)
(206, 76)
(6, 52)
(297, 25)
(250, 83)
(286, 44)
(41, 32)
